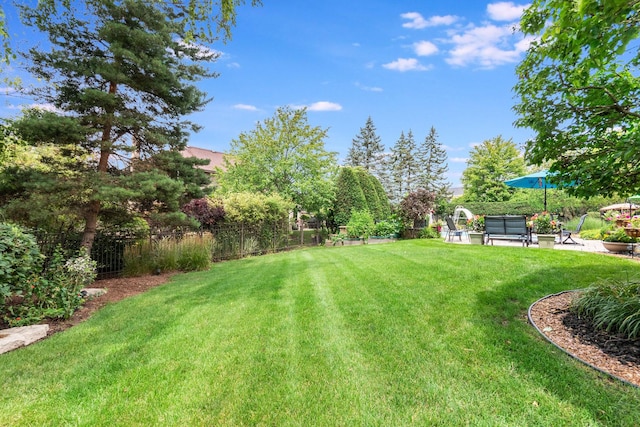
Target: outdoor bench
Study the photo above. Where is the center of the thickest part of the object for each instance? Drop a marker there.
(507, 227)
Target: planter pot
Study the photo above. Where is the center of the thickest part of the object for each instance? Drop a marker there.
(476, 238)
(632, 232)
(617, 247)
(546, 241)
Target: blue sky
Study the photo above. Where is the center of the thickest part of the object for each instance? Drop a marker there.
(410, 65)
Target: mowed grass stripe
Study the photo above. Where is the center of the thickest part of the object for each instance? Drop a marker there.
(414, 332)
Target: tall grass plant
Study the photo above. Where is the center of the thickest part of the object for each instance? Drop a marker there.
(187, 253)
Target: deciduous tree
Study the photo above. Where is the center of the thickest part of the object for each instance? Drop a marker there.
(283, 155)
(489, 165)
(579, 91)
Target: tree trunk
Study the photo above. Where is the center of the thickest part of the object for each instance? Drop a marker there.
(93, 210)
(90, 224)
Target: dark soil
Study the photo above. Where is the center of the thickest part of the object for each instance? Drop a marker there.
(607, 352)
(623, 349)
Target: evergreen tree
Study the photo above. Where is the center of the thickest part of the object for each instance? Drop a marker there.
(122, 74)
(384, 207)
(366, 149)
(403, 167)
(433, 167)
(349, 196)
(374, 203)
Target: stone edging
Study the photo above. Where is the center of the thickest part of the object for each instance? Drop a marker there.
(13, 338)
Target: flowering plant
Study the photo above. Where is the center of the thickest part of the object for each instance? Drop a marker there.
(476, 223)
(544, 224)
(611, 215)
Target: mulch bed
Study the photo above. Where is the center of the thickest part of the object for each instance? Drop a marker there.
(607, 352)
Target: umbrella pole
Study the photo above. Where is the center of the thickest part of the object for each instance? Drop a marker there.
(545, 197)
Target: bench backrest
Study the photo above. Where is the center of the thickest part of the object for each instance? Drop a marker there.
(507, 225)
(515, 224)
(494, 225)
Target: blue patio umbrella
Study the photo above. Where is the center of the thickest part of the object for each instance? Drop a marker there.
(533, 180)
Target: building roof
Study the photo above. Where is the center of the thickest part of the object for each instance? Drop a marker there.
(216, 158)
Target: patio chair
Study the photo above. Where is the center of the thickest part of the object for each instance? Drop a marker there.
(452, 230)
(566, 234)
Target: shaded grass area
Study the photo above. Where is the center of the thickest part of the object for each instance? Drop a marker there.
(415, 332)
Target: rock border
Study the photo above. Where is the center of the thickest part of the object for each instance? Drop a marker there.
(13, 338)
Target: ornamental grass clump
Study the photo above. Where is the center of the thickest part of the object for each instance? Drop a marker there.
(190, 253)
(613, 306)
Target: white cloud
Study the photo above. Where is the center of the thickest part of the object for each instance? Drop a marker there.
(505, 11)
(458, 159)
(369, 88)
(202, 52)
(425, 48)
(245, 107)
(44, 107)
(233, 65)
(324, 106)
(487, 46)
(406, 64)
(6, 90)
(417, 21)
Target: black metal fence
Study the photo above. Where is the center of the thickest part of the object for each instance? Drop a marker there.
(229, 241)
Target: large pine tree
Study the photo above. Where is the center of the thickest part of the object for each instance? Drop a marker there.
(366, 149)
(121, 73)
(433, 167)
(403, 167)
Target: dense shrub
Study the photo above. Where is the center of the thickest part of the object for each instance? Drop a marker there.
(613, 306)
(360, 224)
(429, 233)
(374, 205)
(20, 262)
(255, 208)
(206, 211)
(385, 206)
(27, 294)
(391, 227)
(417, 205)
(349, 196)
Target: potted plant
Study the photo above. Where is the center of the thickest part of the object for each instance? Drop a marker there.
(618, 240)
(546, 228)
(475, 226)
(633, 227)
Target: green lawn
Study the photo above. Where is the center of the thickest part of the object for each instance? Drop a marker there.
(416, 332)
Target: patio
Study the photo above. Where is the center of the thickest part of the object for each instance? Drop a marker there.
(583, 245)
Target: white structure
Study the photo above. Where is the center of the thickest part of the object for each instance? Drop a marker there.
(460, 210)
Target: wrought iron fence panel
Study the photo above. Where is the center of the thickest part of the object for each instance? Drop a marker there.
(230, 241)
